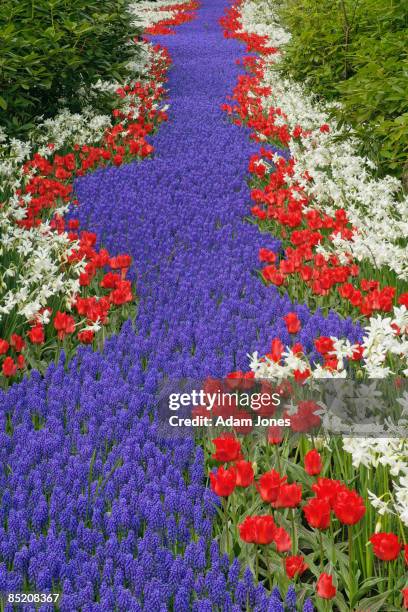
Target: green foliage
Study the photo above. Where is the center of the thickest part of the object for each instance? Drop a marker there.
(50, 49)
(356, 52)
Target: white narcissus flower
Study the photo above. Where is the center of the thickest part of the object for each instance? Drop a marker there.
(380, 505)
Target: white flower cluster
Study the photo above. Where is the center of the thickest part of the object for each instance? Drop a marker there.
(390, 452)
(341, 178)
(31, 264)
(380, 340)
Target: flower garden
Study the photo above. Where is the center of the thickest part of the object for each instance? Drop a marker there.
(218, 226)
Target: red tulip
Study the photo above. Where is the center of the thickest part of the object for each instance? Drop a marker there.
(36, 334)
(386, 546)
(244, 473)
(86, 336)
(269, 485)
(324, 344)
(295, 565)
(297, 349)
(120, 261)
(17, 343)
(228, 448)
(9, 368)
(349, 507)
(405, 598)
(289, 496)
(275, 434)
(313, 463)
(282, 540)
(258, 529)
(292, 323)
(305, 418)
(4, 346)
(317, 513)
(122, 294)
(64, 324)
(276, 350)
(325, 587)
(328, 489)
(223, 481)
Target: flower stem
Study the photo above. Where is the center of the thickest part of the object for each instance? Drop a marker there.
(351, 565)
(227, 535)
(321, 550)
(294, 538)
(278, 458)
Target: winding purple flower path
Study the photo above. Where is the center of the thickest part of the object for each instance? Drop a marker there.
(94, 502)
(180, 215)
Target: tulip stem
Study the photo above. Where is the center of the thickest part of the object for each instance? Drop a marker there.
(256, 563)
(278, 458)
(321, 550)
(391, 569)
(292, 518)
(227, 538)
(270, 574)
(351, 565)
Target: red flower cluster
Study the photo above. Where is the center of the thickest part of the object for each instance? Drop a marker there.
(233, 29)
(239, 474)
(182, 13)
(331, 495)
(262, 530)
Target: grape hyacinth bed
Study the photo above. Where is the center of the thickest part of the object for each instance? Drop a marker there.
(96, 504)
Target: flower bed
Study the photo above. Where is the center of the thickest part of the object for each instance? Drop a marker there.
(291, 515)
(58, 288)
(98, 505)
(316, 201)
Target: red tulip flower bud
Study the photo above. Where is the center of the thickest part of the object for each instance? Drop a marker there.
(223, 482)
(244, 473)
(269, 485)
(292, 323)
(325, 587)
(313, 463)
(295, 566)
